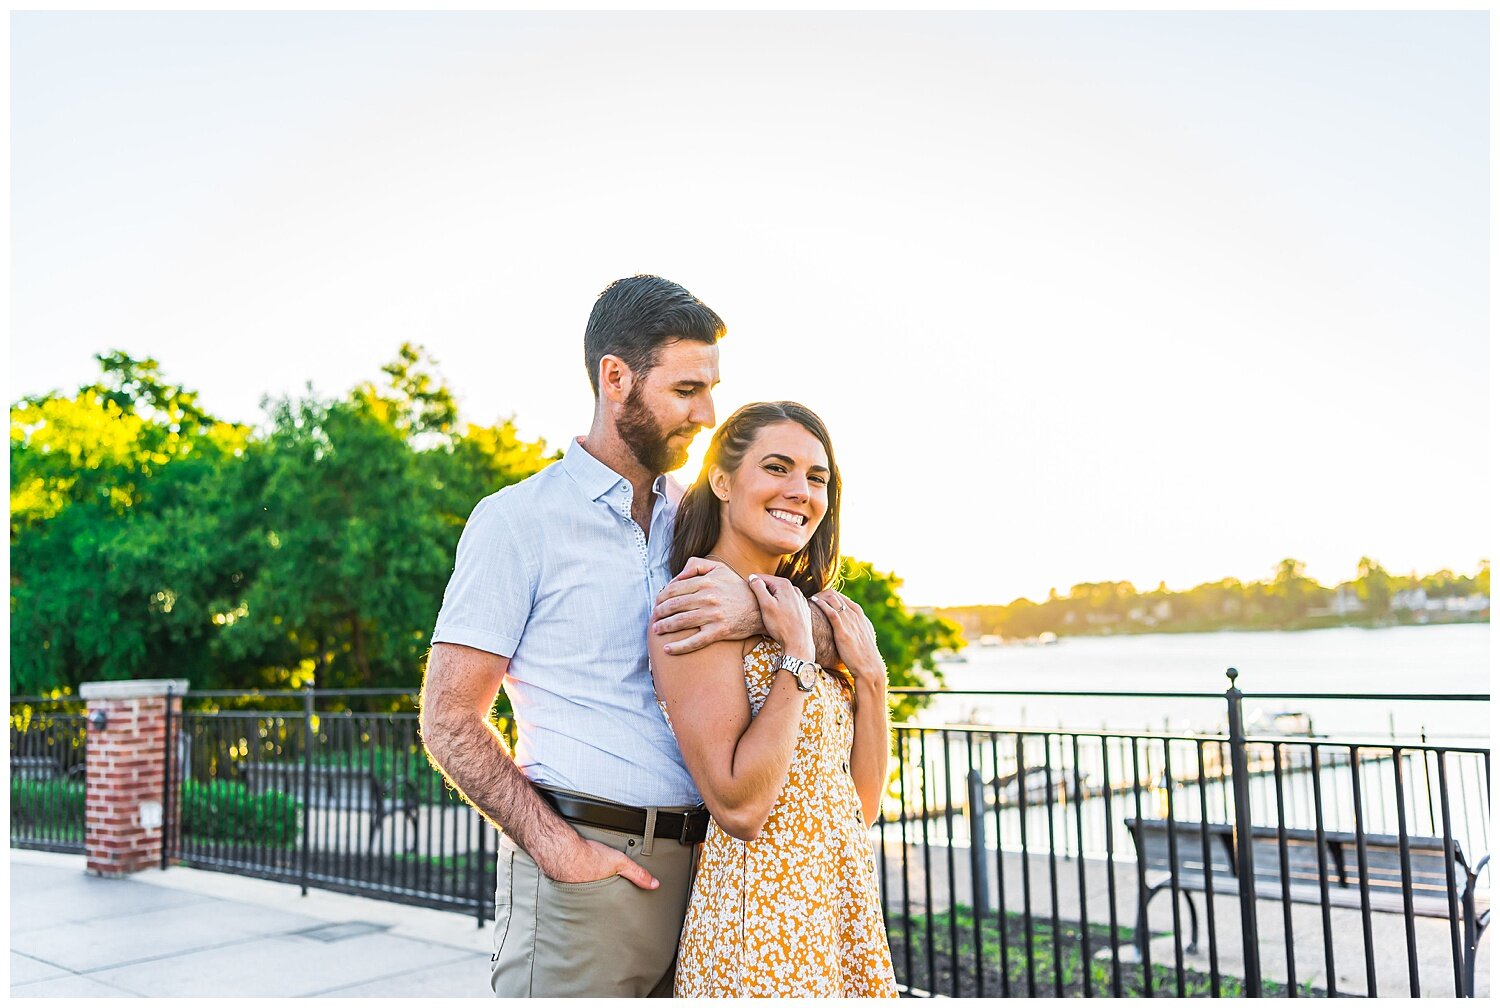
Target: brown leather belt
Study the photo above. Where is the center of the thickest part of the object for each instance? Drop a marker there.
(684, 827)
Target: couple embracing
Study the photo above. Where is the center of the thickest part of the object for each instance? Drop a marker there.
(702, 725)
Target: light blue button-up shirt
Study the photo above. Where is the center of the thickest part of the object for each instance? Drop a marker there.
(554, 574)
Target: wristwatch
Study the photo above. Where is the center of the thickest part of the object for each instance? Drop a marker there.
(804, 673)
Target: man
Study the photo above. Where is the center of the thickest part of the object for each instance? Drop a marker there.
(551, 596)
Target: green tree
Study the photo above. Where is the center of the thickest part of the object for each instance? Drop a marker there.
(909, 641)
(1025, 618)
(1374, 588)
(356, 508)
(113, 559)
(149, 538)
(1291, 589)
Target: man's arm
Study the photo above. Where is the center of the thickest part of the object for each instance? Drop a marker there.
(711, 598)
(827, 653)
(457, 693)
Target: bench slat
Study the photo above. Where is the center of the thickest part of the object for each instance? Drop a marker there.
(1383, 873)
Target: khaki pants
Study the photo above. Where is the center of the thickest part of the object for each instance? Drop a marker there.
(591, 939)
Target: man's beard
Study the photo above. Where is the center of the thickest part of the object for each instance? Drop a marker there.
(645, 438)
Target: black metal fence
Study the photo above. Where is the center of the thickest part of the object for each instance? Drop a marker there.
(47, 785)
(1033, 862)
(1015, 861)
(333, 799)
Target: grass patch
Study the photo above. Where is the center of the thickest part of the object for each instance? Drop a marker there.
(446, 862)
(1051, 954)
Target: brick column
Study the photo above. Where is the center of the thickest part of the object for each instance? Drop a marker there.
(126, 766)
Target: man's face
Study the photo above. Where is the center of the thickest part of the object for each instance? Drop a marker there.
(668, 405)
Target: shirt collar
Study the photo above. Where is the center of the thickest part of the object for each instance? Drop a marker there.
(592, 476)
(597, 479)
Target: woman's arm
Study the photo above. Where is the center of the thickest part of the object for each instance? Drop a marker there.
(869, 762)
(740, 763)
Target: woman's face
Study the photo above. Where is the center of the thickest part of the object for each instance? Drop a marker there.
(779, 494)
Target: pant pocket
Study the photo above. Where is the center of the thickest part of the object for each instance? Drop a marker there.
(514, 959)
(589, 942)
(504, 900)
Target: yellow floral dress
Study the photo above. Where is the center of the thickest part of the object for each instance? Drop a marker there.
(794, 912)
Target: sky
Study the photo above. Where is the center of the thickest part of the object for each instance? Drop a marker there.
(1081, 297)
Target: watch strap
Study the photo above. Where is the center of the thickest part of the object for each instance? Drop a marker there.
(804, 673)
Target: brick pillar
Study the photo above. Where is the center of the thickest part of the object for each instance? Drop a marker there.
(126, 766)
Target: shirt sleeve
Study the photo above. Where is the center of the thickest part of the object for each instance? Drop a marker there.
(489, 596)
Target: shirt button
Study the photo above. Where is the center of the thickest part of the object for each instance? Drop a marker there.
(841, 717)
(846, 768)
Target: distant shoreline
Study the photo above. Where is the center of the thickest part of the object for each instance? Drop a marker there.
(973, 639)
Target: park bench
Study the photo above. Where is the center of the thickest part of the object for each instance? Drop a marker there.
(348, 789)
(39, 768)
(1429, 873)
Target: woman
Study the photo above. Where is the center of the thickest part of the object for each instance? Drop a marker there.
(790, 759)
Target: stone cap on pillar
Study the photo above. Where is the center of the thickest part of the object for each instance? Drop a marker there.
(132, 689)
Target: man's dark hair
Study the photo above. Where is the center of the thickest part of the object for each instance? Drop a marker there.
(634, 317)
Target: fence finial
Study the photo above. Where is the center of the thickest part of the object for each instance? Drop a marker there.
(1233, 674)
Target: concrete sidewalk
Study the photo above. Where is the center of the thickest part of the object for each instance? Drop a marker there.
(189, 932)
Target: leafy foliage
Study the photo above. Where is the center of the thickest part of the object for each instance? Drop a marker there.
(51, 807)
(225, 810)
(109, 530)
(149, 538)
(1018, 964)
(1288, 600)
(909, 641)
(211, 810)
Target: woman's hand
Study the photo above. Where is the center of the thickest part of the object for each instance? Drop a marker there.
(784, 611)
(854, 636)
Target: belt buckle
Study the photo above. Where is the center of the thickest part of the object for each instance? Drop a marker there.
(687, 825)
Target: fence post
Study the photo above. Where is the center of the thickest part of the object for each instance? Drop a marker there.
(307, 753)
(1239, 769)
(125, 818)
(979, 865)
(167, 740)
(480, 898)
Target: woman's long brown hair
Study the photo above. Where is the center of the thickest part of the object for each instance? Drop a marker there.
(813, 567)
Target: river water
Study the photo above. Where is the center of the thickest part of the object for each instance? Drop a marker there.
(1450, 658)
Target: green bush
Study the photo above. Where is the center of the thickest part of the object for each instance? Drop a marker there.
(217, 810)
(224, 810)
(45, 804)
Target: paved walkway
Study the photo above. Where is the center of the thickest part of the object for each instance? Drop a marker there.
(189, 932)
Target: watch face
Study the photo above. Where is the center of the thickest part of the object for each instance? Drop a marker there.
(804, 674)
